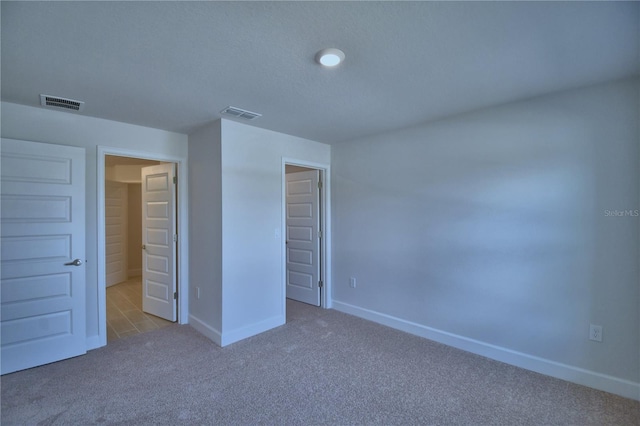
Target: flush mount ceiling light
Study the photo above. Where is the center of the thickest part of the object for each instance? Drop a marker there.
(330, 57)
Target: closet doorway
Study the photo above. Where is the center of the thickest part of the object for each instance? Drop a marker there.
(135, 280)
(307, 232)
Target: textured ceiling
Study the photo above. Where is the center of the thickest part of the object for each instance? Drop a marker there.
(175, 65)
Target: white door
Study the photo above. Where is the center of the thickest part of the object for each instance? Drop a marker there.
(303, 238)
(115, 216)
(159, 289)
(43, 242)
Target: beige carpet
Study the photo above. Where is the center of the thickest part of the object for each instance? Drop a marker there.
(322, 367)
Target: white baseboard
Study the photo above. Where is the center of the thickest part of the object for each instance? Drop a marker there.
(205, 330)
(625, 388)
(251, 330)
(228, 338)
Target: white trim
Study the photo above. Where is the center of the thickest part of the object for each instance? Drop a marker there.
(325, 195)
(183, 231)
(205, 329)
(622, 387)
(241, 333)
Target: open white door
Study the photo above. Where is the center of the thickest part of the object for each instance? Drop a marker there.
(303, 239)
(43, 247)
(159, 286)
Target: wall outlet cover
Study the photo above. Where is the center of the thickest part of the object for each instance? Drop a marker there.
(595, 333)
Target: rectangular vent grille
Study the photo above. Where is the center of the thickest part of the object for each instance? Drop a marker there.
(58, 102)
(240, 113)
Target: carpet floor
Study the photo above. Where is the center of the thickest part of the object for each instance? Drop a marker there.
(322, 367)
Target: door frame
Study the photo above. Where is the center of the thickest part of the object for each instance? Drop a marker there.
(325, 217)
(182, 203)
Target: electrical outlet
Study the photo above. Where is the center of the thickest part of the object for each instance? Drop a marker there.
(197, 292)
(352, 282)
(595, 333)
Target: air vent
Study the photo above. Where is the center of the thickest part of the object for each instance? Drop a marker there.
(58, 102)
(240, 113)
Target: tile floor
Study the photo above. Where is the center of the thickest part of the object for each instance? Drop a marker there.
(124, 311)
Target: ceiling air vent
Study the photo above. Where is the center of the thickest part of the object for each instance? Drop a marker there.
(240, 113)
(58, 102)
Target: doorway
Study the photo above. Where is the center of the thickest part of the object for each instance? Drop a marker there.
(306, 227)
(140, 245)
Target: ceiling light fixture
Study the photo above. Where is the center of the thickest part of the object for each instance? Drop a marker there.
(330, 57)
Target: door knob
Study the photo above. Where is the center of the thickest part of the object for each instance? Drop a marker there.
(75, 262)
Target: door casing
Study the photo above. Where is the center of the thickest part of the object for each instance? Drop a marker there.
(325, 215)
(182, 202)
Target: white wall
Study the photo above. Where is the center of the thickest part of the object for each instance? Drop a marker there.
(205, 233)
(236, 227)
(125, 173)
(488, 231)
(49, 126)
(253, 293)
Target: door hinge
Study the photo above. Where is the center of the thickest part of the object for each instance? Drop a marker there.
(175, 179)
(320, 234)
(175, 295)
(319, 184)
(175, 238)
(320, 284)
